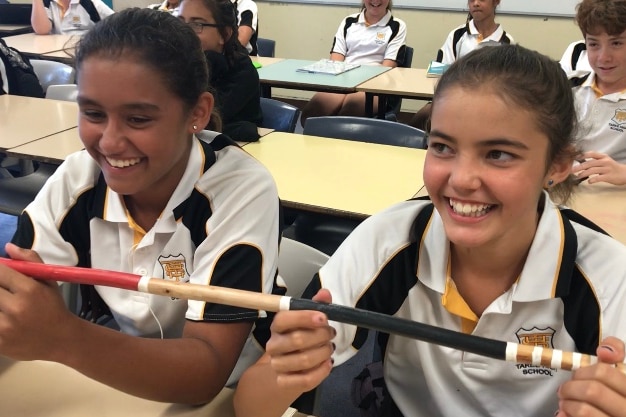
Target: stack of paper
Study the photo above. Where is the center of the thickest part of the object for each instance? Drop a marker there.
(328, 66)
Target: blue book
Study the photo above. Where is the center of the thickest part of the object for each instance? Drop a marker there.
(436, 69)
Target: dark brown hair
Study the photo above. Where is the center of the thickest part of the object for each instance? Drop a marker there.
(595, 16)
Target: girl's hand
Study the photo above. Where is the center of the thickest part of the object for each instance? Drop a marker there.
(300, 347)
(599, 167)
(598, 390)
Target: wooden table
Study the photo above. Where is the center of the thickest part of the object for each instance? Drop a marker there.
(401, 82)
(48, 389)
(36, 45)
(603, 204)
(340, 177)
(24, 119)
(284, 74)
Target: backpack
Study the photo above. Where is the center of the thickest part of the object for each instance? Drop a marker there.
(87, 5)
(18, 73)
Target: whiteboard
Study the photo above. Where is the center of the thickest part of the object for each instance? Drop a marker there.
(524, 7)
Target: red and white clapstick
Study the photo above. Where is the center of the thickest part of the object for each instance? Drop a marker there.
(496, 349)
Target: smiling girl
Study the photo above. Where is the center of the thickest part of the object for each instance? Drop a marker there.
(146, 196)
(490, 254)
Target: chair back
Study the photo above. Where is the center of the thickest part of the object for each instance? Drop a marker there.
(17, 192)
(364, 129)
(52, 72)
(297, 264)
(278, 115)
(266, 47)
(395, 103)
(65, 92)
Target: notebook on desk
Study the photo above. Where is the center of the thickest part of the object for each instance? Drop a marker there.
(328, 66)
(15, 14)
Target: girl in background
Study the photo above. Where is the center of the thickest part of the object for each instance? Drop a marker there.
(233, 76)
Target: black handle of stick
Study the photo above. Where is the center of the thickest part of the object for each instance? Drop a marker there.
(394, 325)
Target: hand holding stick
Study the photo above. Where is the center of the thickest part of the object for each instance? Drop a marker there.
(508, 351)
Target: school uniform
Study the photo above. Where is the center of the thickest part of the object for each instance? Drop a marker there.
(465, 38)
(75, 20)
(569, 296)
(361, 43)
(602, 119)
(220, 227)
(238, 96)
(575, 58)
(248, 15)
(164, 7)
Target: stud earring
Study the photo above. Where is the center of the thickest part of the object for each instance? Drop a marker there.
(550, 183)
(195, 127)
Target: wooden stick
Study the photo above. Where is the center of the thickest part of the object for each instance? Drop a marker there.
(508, 351)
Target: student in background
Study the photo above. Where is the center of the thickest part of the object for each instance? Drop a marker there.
(233, 76)
(71, 17)
(575, 58)
(479, 30)
(167, 6)
(372, 36)
(146, 196)
(248, 23)
(601, 95)
(489, 254)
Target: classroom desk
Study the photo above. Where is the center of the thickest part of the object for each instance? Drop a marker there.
(340, 177)
(24, 119)
(265, 60)
(55, 148)
(401, 82)
(36, 45)
(283, 74)
(11, 30)
(48, 389)
(605, 205)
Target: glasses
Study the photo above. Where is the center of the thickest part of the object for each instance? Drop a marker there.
(198, 26)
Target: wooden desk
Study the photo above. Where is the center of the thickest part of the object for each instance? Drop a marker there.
(344, 178)
(402, 82)
(283, 74)
(11, 30)
(265, 60)
(24, 119)
(48, 389)
(605, 205)
(35, 45)
(65, 56)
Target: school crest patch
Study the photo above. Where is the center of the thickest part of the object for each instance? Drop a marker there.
(536, 337)
(174, 268)
(619, 117)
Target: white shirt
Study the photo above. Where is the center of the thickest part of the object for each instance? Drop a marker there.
(76, 20)
(582, 62)
(469, 41)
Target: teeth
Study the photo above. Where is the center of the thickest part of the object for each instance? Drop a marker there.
(122, 163)
(470, 210)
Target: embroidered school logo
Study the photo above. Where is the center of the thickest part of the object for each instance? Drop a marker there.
(174, 268)
(619, 118)
(380, 38)
(536, 337)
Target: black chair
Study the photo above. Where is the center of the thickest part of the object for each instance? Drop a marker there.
(266, 47)
(394, 103)
(16, 193)
(365, 129)
(325, 232)
(278, 115)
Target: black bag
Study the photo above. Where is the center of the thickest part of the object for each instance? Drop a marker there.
(19, 73)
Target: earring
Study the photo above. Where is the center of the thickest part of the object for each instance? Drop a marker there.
(550, 183)
(195, 127)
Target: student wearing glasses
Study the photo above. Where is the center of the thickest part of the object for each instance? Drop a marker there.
(233, 76)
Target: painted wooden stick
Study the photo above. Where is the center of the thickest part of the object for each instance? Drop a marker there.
(508, 351)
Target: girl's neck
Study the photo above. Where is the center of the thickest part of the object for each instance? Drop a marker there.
(372, 20)
(486, 27)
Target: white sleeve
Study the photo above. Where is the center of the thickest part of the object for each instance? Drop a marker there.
(339, 46)
(396, 43)
(102, 8)
(447, 50)
(566, 59)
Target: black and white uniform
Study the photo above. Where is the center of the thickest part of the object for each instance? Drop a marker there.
(575, 58)
(363, 44)
(465, 38)
(248, 15)
(602, 119)
(220, 227)
(569, 296)
(75, 20)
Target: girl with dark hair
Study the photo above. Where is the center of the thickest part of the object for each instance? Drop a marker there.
(233, 76)
(146, 196)
(491, 254)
